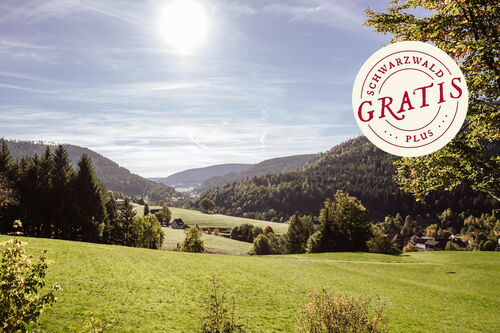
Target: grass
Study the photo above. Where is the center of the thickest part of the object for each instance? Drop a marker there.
(160, 291)
(213, 244)
(193, 217)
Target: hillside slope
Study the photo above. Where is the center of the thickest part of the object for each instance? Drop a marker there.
(272, 166)
(194, 177)
(355, 166)
(159, 291)
(113, 176)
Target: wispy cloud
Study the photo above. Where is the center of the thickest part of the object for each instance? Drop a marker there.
(332, 13)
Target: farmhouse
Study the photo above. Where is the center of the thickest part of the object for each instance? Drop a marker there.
(178, 224)
(427, 243)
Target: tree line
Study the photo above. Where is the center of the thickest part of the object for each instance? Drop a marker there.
(54, 200)
(356, 167)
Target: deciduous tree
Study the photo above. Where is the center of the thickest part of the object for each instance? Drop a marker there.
(468, 31)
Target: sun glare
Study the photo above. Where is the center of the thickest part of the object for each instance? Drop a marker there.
(183, 24)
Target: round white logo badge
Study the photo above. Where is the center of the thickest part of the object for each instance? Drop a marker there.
(410, 98)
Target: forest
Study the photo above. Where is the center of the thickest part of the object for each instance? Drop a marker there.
(53, 200)
(356, 167)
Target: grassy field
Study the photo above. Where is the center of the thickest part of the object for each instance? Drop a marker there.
(213, 244)
(193, 217)
(159, 291)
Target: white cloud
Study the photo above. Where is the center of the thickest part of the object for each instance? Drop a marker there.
(318, 11)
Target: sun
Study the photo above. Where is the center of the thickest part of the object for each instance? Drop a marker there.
(183, 24)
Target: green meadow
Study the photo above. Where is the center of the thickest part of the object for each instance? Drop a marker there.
(212, 243)
(161, 291)
(193, 217)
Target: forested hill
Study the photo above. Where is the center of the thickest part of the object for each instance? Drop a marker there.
(194, 177)
(355, 166)
(271, 166)
(113, 176)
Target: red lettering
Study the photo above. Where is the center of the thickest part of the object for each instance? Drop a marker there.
(459, 90)
(370, 113)
(406, 100)
(424, 95)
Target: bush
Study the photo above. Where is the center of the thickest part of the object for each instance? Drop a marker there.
(245, 232)
(327, 312)
(450, 246)
(382, 243)
(218, 316)
(488, 246)
(313, 244)
(21, 281)
(146, 232)
(193, 241)
(410, 248)
(216, 232)
(267, 229)
(266, 244)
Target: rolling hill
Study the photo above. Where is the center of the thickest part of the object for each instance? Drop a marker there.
(113, 176)
(194, 177)
(160, 291)
(355, 166)
(272, 166)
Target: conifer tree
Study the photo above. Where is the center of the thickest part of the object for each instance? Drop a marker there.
(298, 232)
(127, 215)
(62, 176)
(90, 198)
(146, 209)
(5, 160)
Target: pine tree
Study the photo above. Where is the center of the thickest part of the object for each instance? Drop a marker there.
(5, 160)
(62, 176)
(90, 200)
(113, 229)
(298, 232)
(146, 209)
(127, 215)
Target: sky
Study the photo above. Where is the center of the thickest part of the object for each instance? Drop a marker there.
(264, 79)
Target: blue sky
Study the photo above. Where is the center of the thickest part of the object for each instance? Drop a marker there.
(272, 78)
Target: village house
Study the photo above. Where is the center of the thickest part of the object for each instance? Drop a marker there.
(177, 224)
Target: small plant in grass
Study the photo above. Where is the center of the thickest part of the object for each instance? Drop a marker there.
(91, 324)
(219, 313)
(328, 311)
(410, 248)
(21, 282)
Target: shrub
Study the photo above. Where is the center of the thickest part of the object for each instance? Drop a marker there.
(382, 243)
(267, 229)
(218, 316)
(327, 312)
(266, 244)
(21, 281)
(488, 246)
(216, 232)
(146, 231)
(410, 248)
(245, 232)
(193, 241)
(313, 244)
(450, 246)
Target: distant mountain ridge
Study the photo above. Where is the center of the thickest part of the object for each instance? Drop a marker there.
(356, 167)
(272, 166)
(196, 176)
(113, 176)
